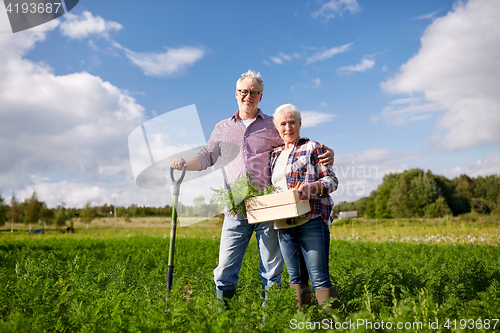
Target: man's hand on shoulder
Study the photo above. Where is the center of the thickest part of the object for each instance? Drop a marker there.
(326, 158)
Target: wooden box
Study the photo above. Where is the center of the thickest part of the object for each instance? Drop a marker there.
(282, 205)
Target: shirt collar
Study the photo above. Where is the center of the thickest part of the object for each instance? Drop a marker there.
(236, 117)
(300, 141)
(297, 143)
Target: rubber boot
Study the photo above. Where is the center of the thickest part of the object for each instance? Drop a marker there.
(323, 295)
(303, 294)
(223, 296)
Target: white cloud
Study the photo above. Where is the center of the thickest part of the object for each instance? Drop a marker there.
(326, 54)
(458, 68)
(126, 192)
(84, 25)
(429, 16)
(314, 118)
(60, 126)
(277, 60)
(360, 172)
(315, 83)
(331, 8)
(282, 58)
(365, 64)
(400, 111)
(172, 62)
(486, 166)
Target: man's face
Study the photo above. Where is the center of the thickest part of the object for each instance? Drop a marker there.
(248, 104)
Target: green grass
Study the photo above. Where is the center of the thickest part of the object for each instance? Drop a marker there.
(71, 283)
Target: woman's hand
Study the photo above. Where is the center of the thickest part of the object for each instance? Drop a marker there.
(305, 190)
(326, 158)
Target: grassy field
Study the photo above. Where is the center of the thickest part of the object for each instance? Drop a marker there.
(459, 230)
(118, 285)
(441, 275)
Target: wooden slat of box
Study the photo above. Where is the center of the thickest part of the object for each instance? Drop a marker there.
(275, 206)
(271, 200)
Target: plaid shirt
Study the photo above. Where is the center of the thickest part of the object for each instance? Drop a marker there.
(303, 166)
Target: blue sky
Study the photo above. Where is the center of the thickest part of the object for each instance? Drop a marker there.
(389, 85)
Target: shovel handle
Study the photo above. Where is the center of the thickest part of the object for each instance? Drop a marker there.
(177, 183)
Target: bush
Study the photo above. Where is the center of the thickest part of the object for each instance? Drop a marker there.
(469, 217)
(439, 208)
(483, 206)
(344, 221)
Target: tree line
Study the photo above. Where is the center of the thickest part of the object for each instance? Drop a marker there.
(415, 193)
(411, 193)
(33, 211)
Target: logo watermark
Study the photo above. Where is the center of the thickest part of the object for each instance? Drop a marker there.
(26, 14)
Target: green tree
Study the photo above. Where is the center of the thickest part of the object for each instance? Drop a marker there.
(199, 208)
(361, 205)
(60, 217)
(439, 208)
(483, 206)
(370, 211)
(14, 211)
(383, 195)
(465, 186)
(132, 210)
(401, 201)
(33, 209)
(4, 209)
(487, 188)
(424, 192)
(88, 213)
(46, 214)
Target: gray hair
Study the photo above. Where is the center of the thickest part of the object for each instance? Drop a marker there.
(287, 108)
(252, 76)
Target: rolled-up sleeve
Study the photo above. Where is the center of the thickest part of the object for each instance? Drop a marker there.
(325, 173)
(209, 154)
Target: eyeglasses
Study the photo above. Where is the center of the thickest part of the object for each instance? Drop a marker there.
(252, 93)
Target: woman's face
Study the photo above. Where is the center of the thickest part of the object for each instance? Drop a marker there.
(288, 126)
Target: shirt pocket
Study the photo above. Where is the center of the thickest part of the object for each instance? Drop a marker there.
(300, 165)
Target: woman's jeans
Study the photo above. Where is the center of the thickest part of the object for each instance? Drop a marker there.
(233, 243)
(306, 250)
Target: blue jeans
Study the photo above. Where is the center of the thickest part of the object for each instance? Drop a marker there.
(306, 252)
(234, 241)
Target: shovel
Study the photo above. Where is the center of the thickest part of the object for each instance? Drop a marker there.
(175, 193)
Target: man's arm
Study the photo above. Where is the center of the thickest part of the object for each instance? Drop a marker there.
(193, 164)
(326, 158)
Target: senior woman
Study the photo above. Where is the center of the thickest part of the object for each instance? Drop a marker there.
(305, 240)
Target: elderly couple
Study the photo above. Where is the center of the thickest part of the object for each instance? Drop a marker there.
(273, 151)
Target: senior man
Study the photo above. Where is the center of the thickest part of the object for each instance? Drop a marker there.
(255, 136)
